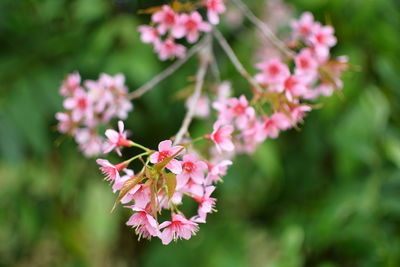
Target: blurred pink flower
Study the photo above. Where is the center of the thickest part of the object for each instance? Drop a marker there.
(272, 71)
(169, 49)
(214, 8)
(166, 19)
(221, 136)
(148, 34)
(193, 24)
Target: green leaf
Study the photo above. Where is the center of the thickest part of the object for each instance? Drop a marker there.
(170, 180)
(128, 185)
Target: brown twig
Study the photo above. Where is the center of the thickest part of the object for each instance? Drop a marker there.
(264, 29)
(167, 72)
(205, 59)
(235, 61)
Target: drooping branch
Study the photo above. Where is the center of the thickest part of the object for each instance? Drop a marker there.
(205, 59)
(167, 72)
(235, 61)
(264, 29)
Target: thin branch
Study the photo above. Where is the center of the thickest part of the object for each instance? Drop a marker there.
(264, 29)
(235, 61)
(205, 58)
(167, 72)
(214, 66)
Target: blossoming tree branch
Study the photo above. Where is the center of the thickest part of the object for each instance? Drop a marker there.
(282, 93)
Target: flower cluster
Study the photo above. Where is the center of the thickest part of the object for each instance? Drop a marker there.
(169, 25)
(89, 106)
(168, 176)
(242, 126)
(282, 94)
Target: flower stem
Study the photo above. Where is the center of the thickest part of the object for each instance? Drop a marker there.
(140, 146)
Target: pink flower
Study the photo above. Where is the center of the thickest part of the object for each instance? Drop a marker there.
(214, 8)
(222, 138)
(240, 110)
(323, 36)
(206, 203)
(193, 24)
(80, 105)
(191, 169)
(111, 171)
(119, 183)
(145, 224)
(89, 142)
(70, 84)
(306, 64)
(166, 18)
(294, 86)
(299, 112)
(169, 49)
(217, 170)
(116, 139)
(202, 106)
(148, 34)
(304, 26)
(178, 227)
(166, 150)
(140, 194)
(65, 123)
(322, 39)
(273, 71)
(273, 125)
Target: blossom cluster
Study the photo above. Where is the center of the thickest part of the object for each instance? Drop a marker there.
(287, 91)
(169, 25)
(92, 105)
(177, 170)
(168, 176)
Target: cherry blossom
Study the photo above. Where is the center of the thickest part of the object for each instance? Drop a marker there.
(304, 26)
(166, 19)
(191, 169)
(178, 227)
(206, 203)
(214, 8)
(116, 139)
(273, 71)
(271, 126)
(71, 83)
(221, 136)
(166, 150)
(79, 103)
(149, 35)
(169, 49)
(143, 222)
(111, 171)
(193, 24)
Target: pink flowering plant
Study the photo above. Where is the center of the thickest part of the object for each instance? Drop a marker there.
(183, 167)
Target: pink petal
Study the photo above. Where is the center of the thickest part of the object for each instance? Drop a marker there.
(174, 166)
(154, 157)
(165, 145)
(166, 236)
(112, 135)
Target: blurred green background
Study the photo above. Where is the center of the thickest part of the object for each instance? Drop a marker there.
(328, 195)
